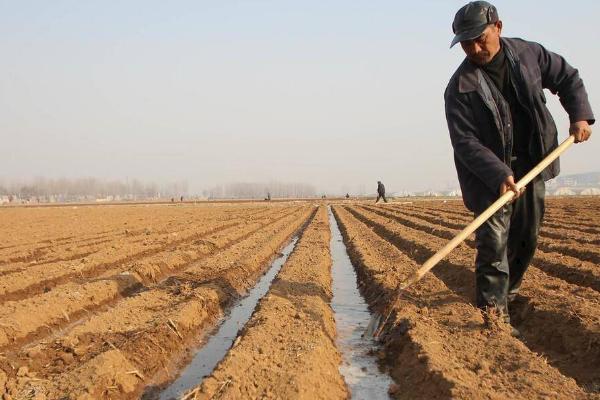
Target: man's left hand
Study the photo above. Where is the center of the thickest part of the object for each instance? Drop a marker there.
(581, 130)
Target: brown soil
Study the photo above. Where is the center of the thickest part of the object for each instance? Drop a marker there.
(90, 339)
(566, 258)
(287, 348)
(558, 320)
(106, 302)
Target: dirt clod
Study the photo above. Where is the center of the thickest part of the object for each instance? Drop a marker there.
(394, 389)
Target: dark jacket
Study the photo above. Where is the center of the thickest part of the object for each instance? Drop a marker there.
(480, 123)
(380, 189)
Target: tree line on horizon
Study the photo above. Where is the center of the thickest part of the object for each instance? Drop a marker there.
(91, 187)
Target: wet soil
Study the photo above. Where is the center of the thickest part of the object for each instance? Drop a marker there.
(365, 378)
(212, 352)
(287, 349)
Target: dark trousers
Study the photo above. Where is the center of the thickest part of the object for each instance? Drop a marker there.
(506, 244)
(381, 196)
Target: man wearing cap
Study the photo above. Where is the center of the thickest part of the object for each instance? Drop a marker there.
(500, 128)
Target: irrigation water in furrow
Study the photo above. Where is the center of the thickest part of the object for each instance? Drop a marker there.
(359, 366)
(209, 355)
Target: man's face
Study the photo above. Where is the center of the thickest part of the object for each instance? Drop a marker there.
(483, 48)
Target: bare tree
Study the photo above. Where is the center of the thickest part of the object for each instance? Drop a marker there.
(63, 189)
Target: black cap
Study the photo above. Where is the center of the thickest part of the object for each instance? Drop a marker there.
(471, 20)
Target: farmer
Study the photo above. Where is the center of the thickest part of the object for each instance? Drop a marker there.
(500, 128)
(380, 192)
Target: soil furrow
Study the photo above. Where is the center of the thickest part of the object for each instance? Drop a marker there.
(143, 333)
(17, 325)
(579, 247)
(42, 257)
(571, 269)
(287, 348)
(105, 302)
(78, 224)
(23, 284)
(133, 235)
(442, 217)
(557, 214)
(567, 313)
(437, 346)
(559, 223)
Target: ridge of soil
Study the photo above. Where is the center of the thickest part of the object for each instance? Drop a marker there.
(110, 302)
(435, 341)
(287, 349)
(113, 352)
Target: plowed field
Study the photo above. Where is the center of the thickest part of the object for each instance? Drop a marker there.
(436, 345)
(99, 302)
(109, 302)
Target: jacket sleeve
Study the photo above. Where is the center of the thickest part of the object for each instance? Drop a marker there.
(474, 155)
(562, 79)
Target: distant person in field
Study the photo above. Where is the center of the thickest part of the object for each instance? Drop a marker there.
(500, 129)
(380, 192)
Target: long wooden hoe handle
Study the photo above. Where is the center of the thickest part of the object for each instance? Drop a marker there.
(505, 198)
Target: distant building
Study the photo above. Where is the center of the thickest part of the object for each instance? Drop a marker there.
(590, 192)
(577, 181)
(564, 191)
(402, 193)
(428, 193)
(453, 193)
(104, 199)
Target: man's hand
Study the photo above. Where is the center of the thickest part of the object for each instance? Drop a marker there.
(509, 184)
(581, 130)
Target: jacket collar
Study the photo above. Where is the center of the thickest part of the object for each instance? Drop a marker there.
(469, 78)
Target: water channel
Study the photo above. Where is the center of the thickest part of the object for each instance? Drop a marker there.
(359, 366)
(209, 355)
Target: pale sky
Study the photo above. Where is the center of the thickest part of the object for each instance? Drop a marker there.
(339, 94)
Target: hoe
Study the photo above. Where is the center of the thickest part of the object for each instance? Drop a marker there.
(378, 321)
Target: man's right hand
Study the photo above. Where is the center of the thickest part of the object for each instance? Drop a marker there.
(509, 184)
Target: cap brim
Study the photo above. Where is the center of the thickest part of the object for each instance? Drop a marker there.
(468, 34)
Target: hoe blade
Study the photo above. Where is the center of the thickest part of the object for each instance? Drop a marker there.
(373, 326)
